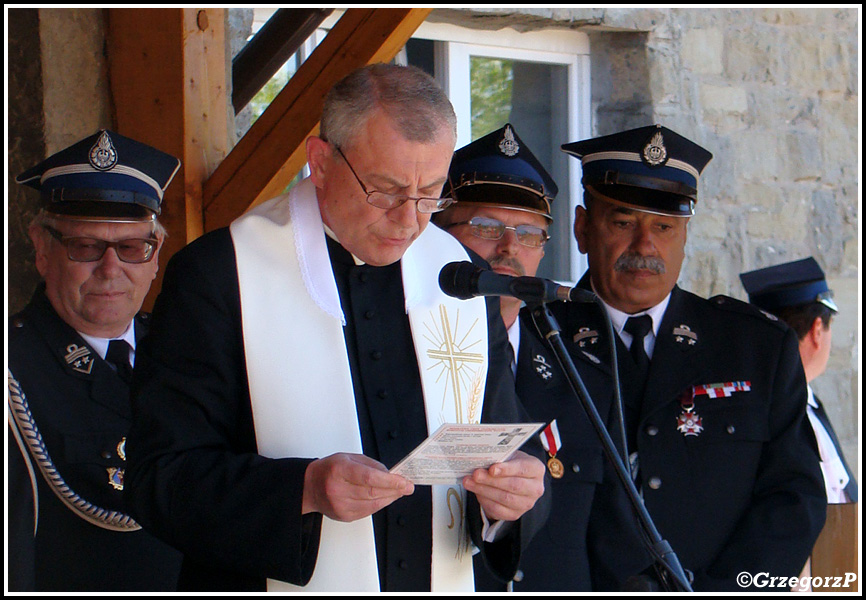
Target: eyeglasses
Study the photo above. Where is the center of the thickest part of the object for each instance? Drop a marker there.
(491, 229)
(389, 201)
(87, 249)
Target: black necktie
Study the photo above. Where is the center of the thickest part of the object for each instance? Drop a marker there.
(638, 327)
(118, 356)
(850, 489)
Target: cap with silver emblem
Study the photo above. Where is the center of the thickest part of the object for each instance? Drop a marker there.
(500, 170)
(651, 169)
(104, 177)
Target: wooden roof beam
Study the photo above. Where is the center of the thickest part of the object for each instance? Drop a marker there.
(272, 152)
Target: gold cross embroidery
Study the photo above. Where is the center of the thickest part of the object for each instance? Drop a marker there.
(452, 355)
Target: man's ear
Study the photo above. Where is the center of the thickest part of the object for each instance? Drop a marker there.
(816, 333)
(581, 218)
(42, 243)
(319, 155)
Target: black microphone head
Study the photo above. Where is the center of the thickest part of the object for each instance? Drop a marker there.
(459, 279)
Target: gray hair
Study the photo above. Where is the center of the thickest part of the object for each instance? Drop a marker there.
(44, 217)
(413, 100)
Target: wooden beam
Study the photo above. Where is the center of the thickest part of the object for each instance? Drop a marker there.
(167, 69)
(274, 44)
(271, 154)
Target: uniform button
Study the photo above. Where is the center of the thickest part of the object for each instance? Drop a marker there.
(731, 429)
(575, 467)
(392, 434)
(375, 355)
(652, 430)
(518, 576)
(369, 314)
(655, 482)
(401, 521)
(382, 394)
(106, 454)
(362, 276)
(403, 564)
(18, 323)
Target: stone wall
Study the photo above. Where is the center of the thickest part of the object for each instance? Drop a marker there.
(773, 94)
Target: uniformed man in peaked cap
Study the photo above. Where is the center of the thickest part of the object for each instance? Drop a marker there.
(714, 393)
(71, 352)
(503, 213)
(797, 293)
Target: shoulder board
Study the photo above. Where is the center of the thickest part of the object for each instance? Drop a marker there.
(738, 306)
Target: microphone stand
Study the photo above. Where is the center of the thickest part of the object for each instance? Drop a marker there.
(659, 548)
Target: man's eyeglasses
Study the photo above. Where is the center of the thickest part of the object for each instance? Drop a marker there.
(491, 229)
(389, 201)
(87, 249)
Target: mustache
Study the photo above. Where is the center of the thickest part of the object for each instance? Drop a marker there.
(635, 262)
(508, 262)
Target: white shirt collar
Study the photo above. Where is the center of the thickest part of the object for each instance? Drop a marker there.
(100, 345)
(618, 319)
(330, 233)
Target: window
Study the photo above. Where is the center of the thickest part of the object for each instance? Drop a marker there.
(537, 81)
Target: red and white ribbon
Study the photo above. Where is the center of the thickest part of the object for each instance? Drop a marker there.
(721, 390)
(550, 438)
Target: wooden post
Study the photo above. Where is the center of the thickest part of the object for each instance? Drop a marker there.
(167, 68)
(836, 552)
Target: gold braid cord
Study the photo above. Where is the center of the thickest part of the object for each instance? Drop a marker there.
(101, 517)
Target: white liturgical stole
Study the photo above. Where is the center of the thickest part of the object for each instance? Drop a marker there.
(301, 389)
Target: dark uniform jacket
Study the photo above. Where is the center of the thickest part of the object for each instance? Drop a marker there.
(80, 407)
(196, 477)
(742, 490)
(576, 550)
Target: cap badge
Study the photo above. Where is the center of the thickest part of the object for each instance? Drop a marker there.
(78, 357)
(102, 155)
(508, 145)
(654, 153)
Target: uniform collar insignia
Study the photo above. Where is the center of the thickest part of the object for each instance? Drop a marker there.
(542, 367)
(684, 335)
(585, 336)
(79, 358)
(509, 146)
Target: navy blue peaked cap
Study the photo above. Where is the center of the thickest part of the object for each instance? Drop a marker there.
(789, 284)
(104, 177)
(652, 169)
(500, 170)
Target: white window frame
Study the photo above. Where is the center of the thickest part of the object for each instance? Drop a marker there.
(455, 45)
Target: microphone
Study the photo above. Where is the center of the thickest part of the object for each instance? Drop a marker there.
(464, 280)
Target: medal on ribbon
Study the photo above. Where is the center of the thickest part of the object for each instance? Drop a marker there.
(551, 442)
(689, 422)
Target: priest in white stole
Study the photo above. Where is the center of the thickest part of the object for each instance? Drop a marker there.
(300, 353)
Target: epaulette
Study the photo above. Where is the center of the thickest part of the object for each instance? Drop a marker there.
(733, 305)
